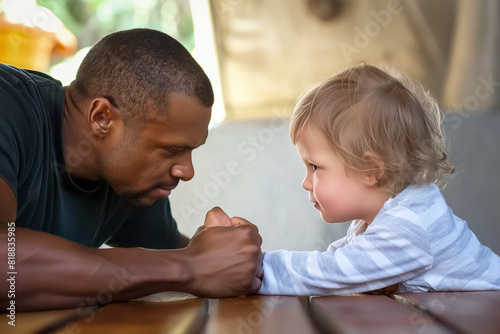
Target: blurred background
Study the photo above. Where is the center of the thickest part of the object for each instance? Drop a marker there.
(260, 56)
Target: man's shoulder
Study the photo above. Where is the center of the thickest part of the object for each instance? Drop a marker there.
(43, 79)
(12, 75)
(20, 88)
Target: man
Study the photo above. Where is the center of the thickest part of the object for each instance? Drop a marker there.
(93, 163)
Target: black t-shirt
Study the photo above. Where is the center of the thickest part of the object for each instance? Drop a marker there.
(32, 163)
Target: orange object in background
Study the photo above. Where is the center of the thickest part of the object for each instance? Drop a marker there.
(30, 35)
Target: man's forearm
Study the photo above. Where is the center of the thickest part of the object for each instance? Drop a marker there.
(53, 272)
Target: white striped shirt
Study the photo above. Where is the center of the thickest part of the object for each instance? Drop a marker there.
(415, 240)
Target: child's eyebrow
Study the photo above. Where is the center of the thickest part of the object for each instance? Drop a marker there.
(307, 162)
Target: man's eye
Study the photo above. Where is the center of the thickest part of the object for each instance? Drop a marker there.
(173, 150)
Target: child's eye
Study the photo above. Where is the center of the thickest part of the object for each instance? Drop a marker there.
(314, 167)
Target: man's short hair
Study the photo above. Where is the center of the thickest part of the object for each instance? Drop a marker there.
(138, 69)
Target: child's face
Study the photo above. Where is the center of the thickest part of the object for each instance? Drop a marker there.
(337, 195)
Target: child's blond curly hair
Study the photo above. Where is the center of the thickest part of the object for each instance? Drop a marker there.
(381, 124)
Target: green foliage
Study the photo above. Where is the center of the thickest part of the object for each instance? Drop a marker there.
(90, 20)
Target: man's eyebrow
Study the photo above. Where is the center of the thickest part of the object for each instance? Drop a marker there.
(184, 146)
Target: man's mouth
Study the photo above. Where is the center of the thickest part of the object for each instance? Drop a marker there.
(164, 192)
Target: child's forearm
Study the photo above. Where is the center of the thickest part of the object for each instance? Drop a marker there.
(318, 273)
(287, 273)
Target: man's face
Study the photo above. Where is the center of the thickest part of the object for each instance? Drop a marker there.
(144, 166)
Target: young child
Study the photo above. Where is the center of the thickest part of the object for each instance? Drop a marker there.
(374, 152)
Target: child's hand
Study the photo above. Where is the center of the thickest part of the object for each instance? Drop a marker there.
(216, 217)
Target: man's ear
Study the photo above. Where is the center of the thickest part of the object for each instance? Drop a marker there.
(377, 167)
(102, 116)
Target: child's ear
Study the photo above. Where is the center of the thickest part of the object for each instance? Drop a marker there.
(377, 168)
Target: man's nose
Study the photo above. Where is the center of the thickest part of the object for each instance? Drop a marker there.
(183, 169)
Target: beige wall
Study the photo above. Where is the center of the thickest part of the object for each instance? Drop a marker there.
(270, 51)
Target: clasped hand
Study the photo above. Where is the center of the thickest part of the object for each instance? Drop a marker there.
(228, 256)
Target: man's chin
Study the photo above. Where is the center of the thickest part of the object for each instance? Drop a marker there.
(144, 199)
(140, 203)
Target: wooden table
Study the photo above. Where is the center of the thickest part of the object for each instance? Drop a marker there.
(438, 312)
(431, 312)
(260, 314)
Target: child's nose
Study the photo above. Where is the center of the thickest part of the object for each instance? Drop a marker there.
(307, 184)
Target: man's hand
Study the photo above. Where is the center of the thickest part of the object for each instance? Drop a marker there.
(225, 260)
